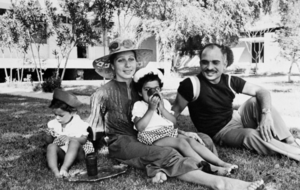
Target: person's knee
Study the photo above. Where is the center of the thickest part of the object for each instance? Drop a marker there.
(74, 143)
(251, 134)
(207, 141)
(252, 100)
(183, 144)
(52, 147)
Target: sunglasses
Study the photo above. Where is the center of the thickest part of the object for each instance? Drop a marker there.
(116, 45)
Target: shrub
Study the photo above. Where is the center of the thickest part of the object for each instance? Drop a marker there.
(36, 87)
(239, 70)
(51, 83)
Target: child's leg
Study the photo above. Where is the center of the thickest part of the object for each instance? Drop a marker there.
(206, 154)
(53, 154)
(180, 144)
(74, 150)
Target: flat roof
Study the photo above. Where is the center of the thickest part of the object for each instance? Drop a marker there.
(5, 4)
(46, 64)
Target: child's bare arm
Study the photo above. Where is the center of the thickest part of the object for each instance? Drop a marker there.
(142, 122)
(168, 115)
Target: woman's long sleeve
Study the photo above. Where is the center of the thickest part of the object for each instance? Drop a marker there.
(95, 119)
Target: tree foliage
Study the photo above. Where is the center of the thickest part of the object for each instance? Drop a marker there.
(186, 25)
(13, 36)
(80, 23)
(33, 21)
(289, 36)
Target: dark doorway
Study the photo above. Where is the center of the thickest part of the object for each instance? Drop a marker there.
(81, 52)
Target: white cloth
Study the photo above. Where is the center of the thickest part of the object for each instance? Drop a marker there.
(157, 121)
(147, 70)
(75, 128)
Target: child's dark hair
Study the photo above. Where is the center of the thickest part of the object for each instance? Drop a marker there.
(55, 104)
(147, 78)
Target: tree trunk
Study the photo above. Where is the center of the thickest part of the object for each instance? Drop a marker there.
(67, 58)
(11, 74)
(22, 72)
(290, 71)
(57, 70)
(6, 75)
(35, 65)
(39, 58)
(18, 74)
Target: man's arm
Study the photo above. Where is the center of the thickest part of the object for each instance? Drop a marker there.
(179, 105)
(263, 96)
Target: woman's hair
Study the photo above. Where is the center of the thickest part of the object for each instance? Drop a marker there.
(147, 78)
(113, 56)
(55, 104)
(224, 49)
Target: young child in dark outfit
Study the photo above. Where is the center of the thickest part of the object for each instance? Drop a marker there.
(67, 134)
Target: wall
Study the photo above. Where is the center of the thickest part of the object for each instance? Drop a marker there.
(245, 55)
(150, 43)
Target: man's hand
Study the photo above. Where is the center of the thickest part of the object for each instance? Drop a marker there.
(194, 136)
(266, 127)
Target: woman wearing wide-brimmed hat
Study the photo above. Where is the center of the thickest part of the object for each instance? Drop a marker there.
(111, 113)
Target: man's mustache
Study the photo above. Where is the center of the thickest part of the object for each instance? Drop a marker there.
(209, 70)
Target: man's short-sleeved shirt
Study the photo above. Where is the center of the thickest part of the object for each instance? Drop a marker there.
(213, 108)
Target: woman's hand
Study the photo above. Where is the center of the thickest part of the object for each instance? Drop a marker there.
(194, 136)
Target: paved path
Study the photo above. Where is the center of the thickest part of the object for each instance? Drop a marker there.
(170, 85)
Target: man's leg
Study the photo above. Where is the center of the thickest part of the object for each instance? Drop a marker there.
(250, 113)
(246, 135)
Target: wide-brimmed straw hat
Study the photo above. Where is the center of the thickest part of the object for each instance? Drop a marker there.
(66, 97)
(102, 64)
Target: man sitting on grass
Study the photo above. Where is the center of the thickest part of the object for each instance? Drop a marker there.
(256, 125)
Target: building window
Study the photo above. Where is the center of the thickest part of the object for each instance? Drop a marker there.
(2, 11)
(258, 52)
(81, 52)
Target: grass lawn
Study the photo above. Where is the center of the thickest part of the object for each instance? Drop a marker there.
(23, 162)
